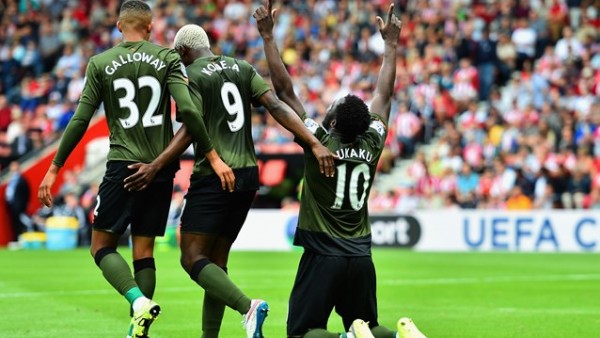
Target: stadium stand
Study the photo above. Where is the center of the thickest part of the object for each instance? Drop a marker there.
(497, 102)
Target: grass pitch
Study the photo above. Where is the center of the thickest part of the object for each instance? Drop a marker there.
(63, 294)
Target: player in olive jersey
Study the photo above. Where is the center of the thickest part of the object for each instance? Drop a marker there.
(135, 81)
(225, 87)
(336, 269)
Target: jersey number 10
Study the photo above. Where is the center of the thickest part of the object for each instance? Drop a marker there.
(356, 202)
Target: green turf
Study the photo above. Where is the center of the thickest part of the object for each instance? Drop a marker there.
(62, 294)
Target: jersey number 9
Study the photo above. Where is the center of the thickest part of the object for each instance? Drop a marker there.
(232, 101)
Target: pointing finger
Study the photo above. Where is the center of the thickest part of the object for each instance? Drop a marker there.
(380, 22)
(390, 12)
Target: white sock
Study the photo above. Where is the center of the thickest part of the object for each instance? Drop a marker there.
(349, 335)
(138, 303)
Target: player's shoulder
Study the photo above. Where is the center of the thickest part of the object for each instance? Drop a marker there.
(160, 51)
(242, 64)
(105, 56)
(378, 124)
(315, 127)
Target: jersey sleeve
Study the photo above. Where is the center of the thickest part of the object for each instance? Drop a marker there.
(377, 131)
(191, 116)
(258, 85)
(73, 133)
(92, 87)
(176, 72)
(314, 128)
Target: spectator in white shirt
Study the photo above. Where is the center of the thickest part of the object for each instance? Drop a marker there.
(568, 46)
(524, 38)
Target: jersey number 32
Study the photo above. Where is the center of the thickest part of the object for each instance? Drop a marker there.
(148, 119)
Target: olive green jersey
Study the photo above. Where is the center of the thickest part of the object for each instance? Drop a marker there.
(333, 217)
(132, 79)
(226, 87)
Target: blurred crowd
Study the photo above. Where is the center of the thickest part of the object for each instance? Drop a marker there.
(496, 102)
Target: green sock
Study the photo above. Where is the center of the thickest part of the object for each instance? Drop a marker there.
(322, 333)
(212, 316)
(216, 283)
(146, 280)
(133, 294)
(383, 332)
(117, 273)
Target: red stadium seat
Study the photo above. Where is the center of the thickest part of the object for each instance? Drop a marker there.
(273, 172)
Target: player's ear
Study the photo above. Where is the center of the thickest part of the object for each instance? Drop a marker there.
(149, 27)
(119, 26)
(183, 51)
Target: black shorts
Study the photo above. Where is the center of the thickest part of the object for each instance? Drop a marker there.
(117, 208)
(218, 213)
(323, 283)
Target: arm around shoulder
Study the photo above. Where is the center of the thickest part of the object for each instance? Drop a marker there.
(191, 116)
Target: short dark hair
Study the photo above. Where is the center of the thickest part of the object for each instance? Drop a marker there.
(136, 13)
(352, 116)
(135, 4)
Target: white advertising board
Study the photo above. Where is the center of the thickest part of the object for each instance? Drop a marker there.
(545, 231)
(460, 230)
(268, 230)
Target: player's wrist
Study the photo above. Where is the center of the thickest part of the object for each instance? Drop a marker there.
(267, 36)
(157, 165)
(212, 155)
(391, 43)
(314, 145)
(54, 169)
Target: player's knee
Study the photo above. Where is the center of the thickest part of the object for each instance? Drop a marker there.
(184, 263)
(197, 266)
(188, 259)
(101, 253)
(96, 248)
(220, 261)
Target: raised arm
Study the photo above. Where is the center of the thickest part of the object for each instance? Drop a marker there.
(390, 32)
(279, 75)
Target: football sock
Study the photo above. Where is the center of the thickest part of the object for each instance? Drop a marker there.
(383, 332)
(133, 296)
(212, 314)
(145, 275)
(216, 283)
(117, 273)
(322, 333)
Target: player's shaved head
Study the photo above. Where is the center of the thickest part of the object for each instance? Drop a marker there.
(135, 14)
(192, 37)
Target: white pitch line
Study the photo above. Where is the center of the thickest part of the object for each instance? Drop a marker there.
(492, 279)
(82, 292)
(429, 281)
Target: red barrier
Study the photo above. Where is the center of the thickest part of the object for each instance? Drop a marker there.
(34, 173)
